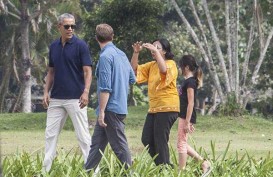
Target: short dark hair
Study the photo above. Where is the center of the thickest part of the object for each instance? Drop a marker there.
(104, 32)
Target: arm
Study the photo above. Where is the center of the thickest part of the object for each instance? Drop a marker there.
(160, 60)
(87, 70)
(161, 63)
(104, 97)
(104, 86)
(134, 61)
(190, 92)
(48, 85)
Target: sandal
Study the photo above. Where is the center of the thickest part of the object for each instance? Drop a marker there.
(206, 170)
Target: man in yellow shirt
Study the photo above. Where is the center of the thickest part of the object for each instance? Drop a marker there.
(160, 75)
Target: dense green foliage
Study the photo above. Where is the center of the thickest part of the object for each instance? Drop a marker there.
(265, 107)
(131, 20)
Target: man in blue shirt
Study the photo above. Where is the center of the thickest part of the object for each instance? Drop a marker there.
(68, 80)
(114, 74)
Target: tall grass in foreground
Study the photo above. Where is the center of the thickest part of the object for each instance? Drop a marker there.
(71, 165)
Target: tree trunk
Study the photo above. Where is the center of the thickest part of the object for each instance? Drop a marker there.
(217, 45)
(228, 38)
(214, 103)
(201, 105)
(248, 51)
(234, 13)
(245, 90)
(17, 106)
(6, 74)
(26, 61)
(199, 24)
(5, 84)
(261, 57)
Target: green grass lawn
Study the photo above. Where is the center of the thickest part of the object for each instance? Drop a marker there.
(25, 132)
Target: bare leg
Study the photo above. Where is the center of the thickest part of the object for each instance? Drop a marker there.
(184, 150)
(205, 165)
(182, 145)
(182, 160)
(191, 152)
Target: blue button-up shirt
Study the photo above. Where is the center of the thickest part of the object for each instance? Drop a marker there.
(114, 74)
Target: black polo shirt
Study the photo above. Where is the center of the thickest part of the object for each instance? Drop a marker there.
(68, 62)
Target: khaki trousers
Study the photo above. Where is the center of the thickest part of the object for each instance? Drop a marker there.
(57, 113)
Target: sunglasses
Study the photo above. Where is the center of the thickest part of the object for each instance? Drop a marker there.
(68, 26)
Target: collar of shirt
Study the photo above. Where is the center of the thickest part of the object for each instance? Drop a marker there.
(109, 44)
(70, 41)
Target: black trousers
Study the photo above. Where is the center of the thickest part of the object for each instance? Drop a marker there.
(156, 133)
(114, 134)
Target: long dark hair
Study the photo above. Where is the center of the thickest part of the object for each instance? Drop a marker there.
(166, 46)
(189, 60)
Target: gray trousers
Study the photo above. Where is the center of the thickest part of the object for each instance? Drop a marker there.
(114, 134)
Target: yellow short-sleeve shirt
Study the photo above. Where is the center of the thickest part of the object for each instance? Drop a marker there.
(162, 91)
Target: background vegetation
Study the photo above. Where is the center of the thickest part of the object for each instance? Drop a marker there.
(32, 25)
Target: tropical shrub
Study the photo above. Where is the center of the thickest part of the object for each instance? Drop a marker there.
(28, 165)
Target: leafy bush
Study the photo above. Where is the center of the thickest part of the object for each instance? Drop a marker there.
(140, 94)
(231, 107)
(264, 107)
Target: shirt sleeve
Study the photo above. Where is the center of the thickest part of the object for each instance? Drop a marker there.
(104, 75)
(191, 84)
(169, 77)
(50, 63)
(143, 72)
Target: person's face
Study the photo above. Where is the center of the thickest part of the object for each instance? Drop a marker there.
(159, 47)
(185, 70)
(67, 28)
